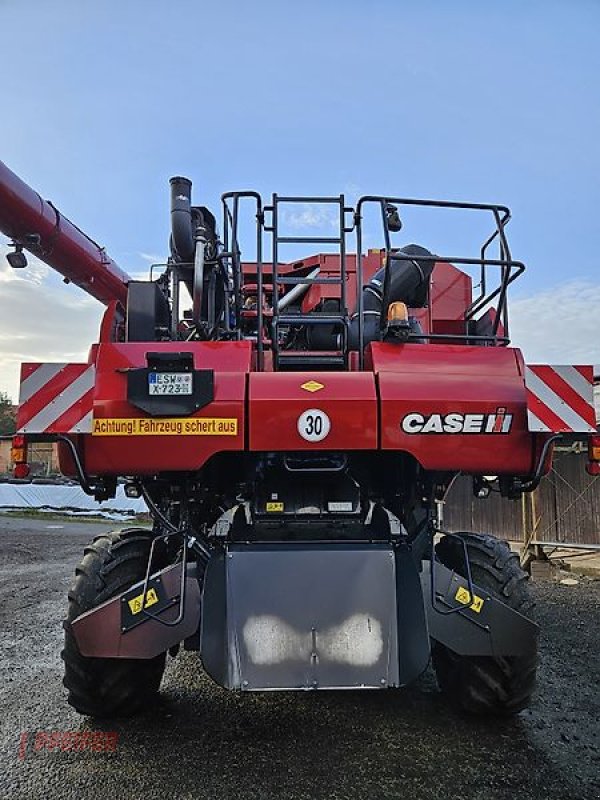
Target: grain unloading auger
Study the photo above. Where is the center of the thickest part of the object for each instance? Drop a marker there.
(292, 433)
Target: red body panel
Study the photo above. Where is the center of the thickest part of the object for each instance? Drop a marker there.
(443, 359)
(450, 291)
(260, 411)
(450, 294)
(148, 454)
(329, 266)
(226, 356)
(454, 379)
(276, 401)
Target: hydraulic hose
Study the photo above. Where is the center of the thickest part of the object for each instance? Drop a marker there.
(409, 283)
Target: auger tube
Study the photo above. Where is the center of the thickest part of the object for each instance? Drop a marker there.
(38, 226)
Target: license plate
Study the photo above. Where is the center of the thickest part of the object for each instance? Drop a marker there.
(170, 383)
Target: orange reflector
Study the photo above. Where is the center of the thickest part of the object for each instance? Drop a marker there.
(18, 452)
(397, 312)
(18, 455)
(594, 448)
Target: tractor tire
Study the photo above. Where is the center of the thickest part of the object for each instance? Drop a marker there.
(486, 685)
(109, 687)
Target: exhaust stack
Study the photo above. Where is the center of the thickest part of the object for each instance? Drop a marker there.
(182, 233)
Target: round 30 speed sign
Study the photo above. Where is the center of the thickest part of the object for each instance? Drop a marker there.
(314, 425)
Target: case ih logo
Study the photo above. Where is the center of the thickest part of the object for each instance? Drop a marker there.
(499, 422)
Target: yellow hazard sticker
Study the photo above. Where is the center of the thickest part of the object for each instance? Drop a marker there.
(464, 598)
(175, 426)
(135, 604)
(274, 506)
(312, 386)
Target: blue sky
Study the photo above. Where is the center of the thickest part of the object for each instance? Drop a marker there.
(102, 102)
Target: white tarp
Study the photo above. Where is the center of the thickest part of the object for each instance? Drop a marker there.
(65, 498)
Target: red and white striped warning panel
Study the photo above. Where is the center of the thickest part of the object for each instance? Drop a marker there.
(56, 398)
(560, 399)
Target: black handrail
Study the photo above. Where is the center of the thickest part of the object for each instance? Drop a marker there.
(510, 269)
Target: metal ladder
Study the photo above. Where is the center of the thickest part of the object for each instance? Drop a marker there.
(301, 359)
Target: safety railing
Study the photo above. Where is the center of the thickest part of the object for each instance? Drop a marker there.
(267, 222)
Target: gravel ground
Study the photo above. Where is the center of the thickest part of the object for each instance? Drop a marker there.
(204, 742)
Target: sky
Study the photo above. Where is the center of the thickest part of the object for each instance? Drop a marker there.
(103, 102)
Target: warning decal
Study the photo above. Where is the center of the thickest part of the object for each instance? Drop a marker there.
(135, 604)
(464, 598)
(172, 426)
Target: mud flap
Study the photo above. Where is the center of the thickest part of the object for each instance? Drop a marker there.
(119, 629)
(473, 626)
(313, 617)
(413, 633)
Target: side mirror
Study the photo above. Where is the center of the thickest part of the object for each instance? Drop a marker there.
(18, 259)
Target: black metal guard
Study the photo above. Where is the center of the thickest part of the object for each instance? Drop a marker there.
(533, 483)
(188, 541)
(181, 598)
(232, 253)
(341, 319)
(82, 477)
(468, 578)
(510, 269)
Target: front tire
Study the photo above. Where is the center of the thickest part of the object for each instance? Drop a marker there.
(483, 684)
(109, 687)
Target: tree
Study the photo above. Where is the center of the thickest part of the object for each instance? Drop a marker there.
(8, 417)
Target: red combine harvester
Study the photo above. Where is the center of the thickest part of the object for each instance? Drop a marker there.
(292, 433)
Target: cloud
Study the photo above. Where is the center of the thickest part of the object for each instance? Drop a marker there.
(558, 325)
(143, 273)
(311, 216)
(40, 321)
(321, 215)
(152, 258)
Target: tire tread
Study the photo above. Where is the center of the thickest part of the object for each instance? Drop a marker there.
(483, 684)
(108, 687)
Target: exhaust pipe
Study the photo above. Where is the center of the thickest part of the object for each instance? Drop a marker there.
(182, 233)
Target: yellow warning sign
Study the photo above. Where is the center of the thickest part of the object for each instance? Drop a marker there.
(275, 506)
(135, 604)
(171, 426)
(312, 386)
(463, 597)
